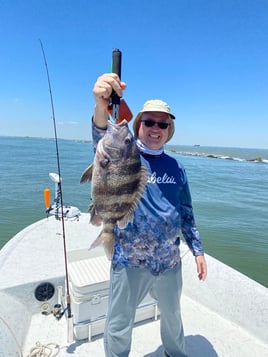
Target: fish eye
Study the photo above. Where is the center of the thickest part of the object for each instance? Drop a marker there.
(127, 141)
(104, 163)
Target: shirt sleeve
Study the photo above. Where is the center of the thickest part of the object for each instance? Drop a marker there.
(188, 227)
(97, 134)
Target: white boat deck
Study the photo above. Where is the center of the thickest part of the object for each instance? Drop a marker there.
(227, 315)
(207, 335)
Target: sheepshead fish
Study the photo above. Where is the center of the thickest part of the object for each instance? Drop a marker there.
(118, 182)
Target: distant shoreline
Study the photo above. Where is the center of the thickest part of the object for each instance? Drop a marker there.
(168, 146)
(185, 150)
(215, 156)
(45, 138)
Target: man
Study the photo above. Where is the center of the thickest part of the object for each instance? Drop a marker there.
(146, 252)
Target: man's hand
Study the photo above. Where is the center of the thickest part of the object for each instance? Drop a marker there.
(201, 267)
(102, 91)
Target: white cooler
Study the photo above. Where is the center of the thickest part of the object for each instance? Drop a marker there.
(89, 289)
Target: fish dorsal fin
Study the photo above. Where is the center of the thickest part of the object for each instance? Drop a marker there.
(141, 187)
(87, 174)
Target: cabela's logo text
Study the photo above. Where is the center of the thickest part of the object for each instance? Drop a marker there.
(165, 179)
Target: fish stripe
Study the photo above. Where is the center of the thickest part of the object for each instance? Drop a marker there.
(114, 189)
(114, 210)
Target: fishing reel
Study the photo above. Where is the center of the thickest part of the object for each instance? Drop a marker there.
(56, 209)
(57, 312)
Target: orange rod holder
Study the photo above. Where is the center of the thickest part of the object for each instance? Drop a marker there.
(47, 197)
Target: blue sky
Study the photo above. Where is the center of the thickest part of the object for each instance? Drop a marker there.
(207, 58)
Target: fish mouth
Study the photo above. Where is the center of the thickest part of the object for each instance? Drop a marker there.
(117, 125)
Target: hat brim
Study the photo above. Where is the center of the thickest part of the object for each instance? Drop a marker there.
(152, 109)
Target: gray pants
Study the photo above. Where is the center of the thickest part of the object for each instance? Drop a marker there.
(128, 286)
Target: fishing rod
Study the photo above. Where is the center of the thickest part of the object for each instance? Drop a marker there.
(68, 299)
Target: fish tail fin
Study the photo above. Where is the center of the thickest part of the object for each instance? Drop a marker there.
(109, 249)
(107, 240)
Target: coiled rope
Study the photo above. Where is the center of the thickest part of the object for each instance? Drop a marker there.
(48, 350)
(39, 350)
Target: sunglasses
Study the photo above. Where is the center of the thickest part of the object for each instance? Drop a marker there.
(150, 123)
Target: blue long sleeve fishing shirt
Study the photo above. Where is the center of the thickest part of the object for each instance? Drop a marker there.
(152, 239)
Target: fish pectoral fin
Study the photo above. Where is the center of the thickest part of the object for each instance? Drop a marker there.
(87, 174)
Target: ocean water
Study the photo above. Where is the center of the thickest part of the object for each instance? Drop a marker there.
(229, 189)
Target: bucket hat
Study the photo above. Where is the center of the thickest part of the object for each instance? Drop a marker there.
(154, 105)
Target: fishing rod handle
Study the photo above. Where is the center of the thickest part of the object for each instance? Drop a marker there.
(116, 68)
(117, 60)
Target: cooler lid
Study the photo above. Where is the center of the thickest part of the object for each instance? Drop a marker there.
(90, 274)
